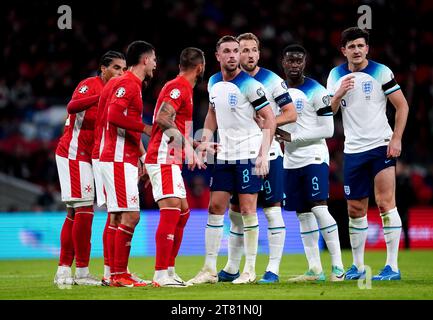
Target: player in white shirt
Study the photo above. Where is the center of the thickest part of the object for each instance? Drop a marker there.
(272, 192)
(235, 97)
(361, 87)
(306, 164)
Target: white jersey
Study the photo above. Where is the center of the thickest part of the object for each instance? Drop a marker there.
(278, 96)
(364, 107)
(314, 123)
(235, 103)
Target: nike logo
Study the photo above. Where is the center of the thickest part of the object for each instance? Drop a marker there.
(332, 231)
(267, 198)
(315, 194)
(244, 187)
(386, 161)
(275, 233)
(212, 98)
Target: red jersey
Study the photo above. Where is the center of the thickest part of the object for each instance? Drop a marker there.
(77, 140)
(101, 117)
(123, 145)
(177, 92)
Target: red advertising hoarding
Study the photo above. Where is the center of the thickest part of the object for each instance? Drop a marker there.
(420, 221)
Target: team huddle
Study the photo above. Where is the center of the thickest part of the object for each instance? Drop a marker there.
(271, 147)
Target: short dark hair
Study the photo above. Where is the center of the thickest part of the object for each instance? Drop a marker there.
(190, 57)
(353, 33)
(108, 57)
(225, 39)
(135, 50)
(294, 48)
(248, 36)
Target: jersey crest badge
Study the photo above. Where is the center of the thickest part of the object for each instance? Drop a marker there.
(83, 89)
(175, 93)
(299, 104)
(347, 190)
(120, 92)
(367, 87)
(284, 85)
(233, 99)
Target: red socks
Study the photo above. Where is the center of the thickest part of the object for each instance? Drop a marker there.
(122, 249)
(178, 235)
(105, 242)
(66, 243)
(111, 240)
(165, 234)
(81, 234)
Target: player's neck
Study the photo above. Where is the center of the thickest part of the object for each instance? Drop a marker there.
(104, 81)
(230, 75)
(295, 82)
(138, 72)
(253, 72)
(190, 77)
(357, 67)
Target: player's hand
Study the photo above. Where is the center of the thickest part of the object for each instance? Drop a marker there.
(147, 130)
(259, 120)
(142, 174)
(208, 147)
(262, 166)
(193, 160)
(347, 84)
(394, 148)
(282, 136)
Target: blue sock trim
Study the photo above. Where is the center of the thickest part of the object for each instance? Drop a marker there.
(324, 228)
(307, 232)
(214, 227)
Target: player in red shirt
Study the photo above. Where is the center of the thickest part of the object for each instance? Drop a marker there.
(168, 146)
(73, 158)
(121, 150)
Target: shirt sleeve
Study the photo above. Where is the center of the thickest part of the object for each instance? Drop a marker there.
(174, 94)
(330, 84)
(387, 80)
(84, 89)
(122, 95)
(322, 101)
(280, 93)
(256, 95)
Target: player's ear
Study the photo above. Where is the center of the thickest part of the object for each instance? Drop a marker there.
(367, 49)
(343, 50)
(217, 56)
(103, 70)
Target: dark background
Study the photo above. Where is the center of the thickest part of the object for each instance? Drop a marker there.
(42, 65)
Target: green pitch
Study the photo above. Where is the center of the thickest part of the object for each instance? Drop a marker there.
(33, 279)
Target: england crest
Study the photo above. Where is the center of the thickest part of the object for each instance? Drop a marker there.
(367, 87)
(233, 99)
(299, 104)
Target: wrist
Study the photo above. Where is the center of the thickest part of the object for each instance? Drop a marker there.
(143, 157)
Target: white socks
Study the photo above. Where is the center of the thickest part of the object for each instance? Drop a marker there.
(310, 240)
(276, 237)
(236, 242)
(251, 241)
(160, 274)
(213, 235)
(391, 230)
(64, 270)
(358, 229)
(329, 230)
(107, 272)
(81, 272)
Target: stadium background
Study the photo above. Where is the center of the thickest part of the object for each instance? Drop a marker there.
(42, 64)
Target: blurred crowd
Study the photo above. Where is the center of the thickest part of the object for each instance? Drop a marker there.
(42, 64)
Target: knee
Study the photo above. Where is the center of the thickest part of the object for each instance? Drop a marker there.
(384, 204)
(217, 208)
(130, 219)
(356, 210)
(247, 208)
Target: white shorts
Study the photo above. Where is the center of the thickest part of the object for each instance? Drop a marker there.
(76, 182)
(167, 181)
(120, 182)
(99, 186)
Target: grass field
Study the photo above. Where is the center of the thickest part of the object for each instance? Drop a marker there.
(33, 279)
